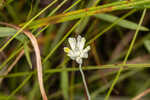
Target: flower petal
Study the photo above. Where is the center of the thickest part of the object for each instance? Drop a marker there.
(77, 51)
(85, 55)
(72, 42)
(87, 49)
(79, 60)
(71, 55)
(80, 42)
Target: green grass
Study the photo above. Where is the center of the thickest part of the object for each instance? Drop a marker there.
(104, 24)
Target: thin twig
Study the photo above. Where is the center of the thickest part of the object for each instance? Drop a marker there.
(141, 94)
(38, 57)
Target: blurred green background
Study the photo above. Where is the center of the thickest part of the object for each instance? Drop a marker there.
(116, 30)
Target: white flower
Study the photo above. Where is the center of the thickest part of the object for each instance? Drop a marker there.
(77, 51)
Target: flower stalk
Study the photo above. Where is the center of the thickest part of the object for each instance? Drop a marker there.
(84, 82)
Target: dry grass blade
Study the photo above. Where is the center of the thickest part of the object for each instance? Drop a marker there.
(138, 97)
(38, 57)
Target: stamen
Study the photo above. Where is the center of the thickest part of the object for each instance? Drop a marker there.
(66, 49)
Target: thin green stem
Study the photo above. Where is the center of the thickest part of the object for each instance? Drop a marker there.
(62, 3)
(10, 57)
(20, 86)
(71, 6)
(121, 78)
(110, 26)
(30, 21)
(126, 57)
(87, 12)
(57, 70)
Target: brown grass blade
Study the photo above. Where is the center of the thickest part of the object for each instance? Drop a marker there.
(38, 57)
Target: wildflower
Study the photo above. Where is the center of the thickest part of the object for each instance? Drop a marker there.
(77, 51)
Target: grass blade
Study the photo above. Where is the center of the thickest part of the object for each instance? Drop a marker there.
(27, 54)
(123, 23)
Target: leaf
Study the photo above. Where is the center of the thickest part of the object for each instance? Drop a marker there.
(123, 23)
(73, 15)
(7, 31)
(22, 38)
(147, 45)
(64, 84)
(142, 6)
(27, 54)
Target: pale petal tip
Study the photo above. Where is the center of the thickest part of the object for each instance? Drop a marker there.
(72, 43)
(79, 38)
(87, 49)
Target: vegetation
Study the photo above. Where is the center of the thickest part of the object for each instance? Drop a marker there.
(34, 66)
